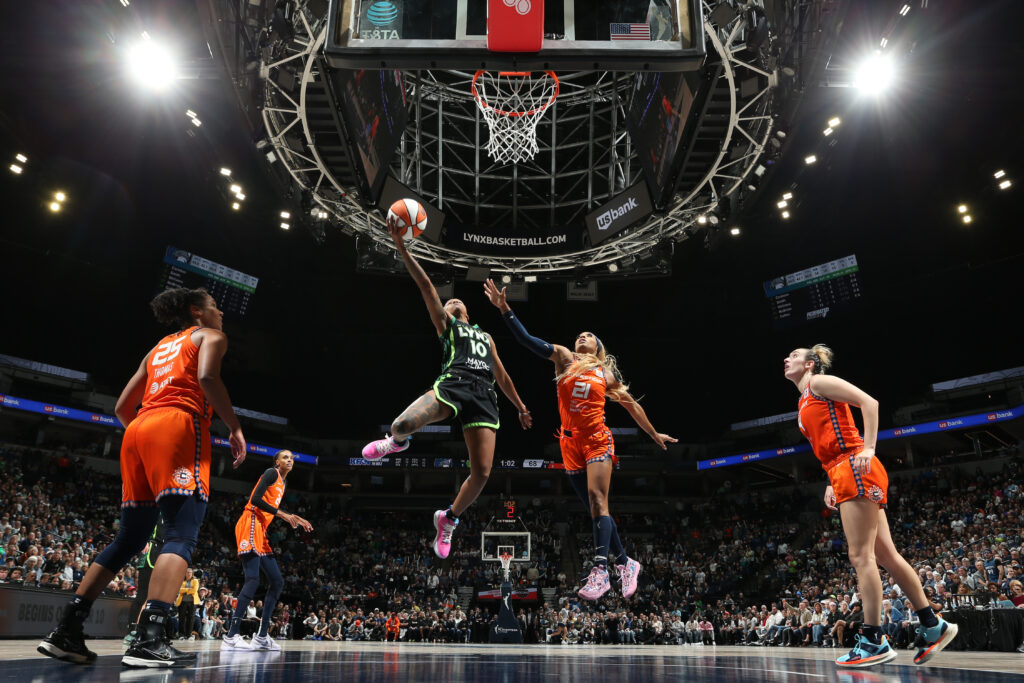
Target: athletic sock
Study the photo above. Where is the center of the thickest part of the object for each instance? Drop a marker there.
(76, 612)
(617, 552)
(450, 515)
(398, 442)
(927, 617)
(159, 605)
(872, 633)
(602, 537)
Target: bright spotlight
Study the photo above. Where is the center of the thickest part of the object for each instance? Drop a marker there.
(22, 158)
(967, 219)
(702, 219)
(151, 66)
(827, 132)
(613, 267)
(196, 122)
(1005, 185)
(787, 196)
(236, 206)
(962, 208)
(15, 169)
(734, 232)
(55, 207)
(998, 174)
(285, 226)
(285, 214)
(785, 214)
(905, 10)
(241, 195)
(225, 171)
(59, 196)
(783, 204)
(810, 159)
(875, 74)
(235, 189)
(834, 122)
(506, 279)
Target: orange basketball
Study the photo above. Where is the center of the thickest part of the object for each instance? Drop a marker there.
(410, 216)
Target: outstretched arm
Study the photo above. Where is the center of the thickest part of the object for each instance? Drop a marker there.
(419, 276)
(553, 352)
(509, 389)
(636, 411)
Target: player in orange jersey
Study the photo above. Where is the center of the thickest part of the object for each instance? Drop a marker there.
(256, 554)
(858, 486)
(585, 376)
(165, 470)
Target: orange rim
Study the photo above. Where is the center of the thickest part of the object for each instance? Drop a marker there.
(517, 74)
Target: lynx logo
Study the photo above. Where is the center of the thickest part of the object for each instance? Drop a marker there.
(605, 220)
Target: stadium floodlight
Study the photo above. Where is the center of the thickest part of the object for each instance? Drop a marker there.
(810, 159)
(285, 226)
(613, 267)
(702, 219)
(734, 232)
(241, 196)
(59, 196)
(152, 66)
(15, 169)
(530, 278)
(905, 10)
(196, 122)
(787, 196)
(834, 122)
(827, 132)
(236, 206)
(962, 208)
(225, 171)
(967, 219)
(1005, 185)
(783, 204)
(875, 74)
(55, 207)
(22, 158)
(235, 189)
(506, 279)
(997, 175)
(285, 214)
(785, 214)
(191, 114)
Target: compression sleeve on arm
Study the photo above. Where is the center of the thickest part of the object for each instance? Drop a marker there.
(538, 346)
(266, 481)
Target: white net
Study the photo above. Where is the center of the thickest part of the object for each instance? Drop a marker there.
(512, 103)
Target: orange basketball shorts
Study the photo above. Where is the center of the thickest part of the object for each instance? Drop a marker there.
(165, 451)
(849, 484)
(251, 535)
(579, 449)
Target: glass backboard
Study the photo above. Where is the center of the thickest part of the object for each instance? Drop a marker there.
(623, 35)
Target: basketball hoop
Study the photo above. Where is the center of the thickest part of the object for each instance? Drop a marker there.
(506, 563)
(512, 103)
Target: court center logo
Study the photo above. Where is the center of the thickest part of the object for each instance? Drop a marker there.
(523, 7)
(381, 20)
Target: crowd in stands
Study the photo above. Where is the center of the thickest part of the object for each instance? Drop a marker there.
(371, 575)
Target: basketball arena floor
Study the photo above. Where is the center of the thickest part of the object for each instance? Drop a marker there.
(416, 663)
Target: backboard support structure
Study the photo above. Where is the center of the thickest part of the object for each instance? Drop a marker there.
(628, 35)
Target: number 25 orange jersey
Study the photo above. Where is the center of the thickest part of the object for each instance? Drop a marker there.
(172, 376)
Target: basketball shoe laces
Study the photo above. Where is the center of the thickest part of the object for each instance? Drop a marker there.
(447, 529)
(386, 445)
(594, 580)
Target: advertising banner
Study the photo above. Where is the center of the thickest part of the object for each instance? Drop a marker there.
(33, 612)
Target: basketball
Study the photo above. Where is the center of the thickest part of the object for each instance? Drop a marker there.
(411, 216)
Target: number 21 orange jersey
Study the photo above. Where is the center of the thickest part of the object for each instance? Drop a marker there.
(581, 400)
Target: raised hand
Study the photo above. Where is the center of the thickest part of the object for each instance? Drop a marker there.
(662, 439)
(494, 295)
(397, 234)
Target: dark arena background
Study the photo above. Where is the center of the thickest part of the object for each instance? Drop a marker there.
(712, 185)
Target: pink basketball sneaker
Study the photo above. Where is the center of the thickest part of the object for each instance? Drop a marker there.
(381, 447)
(628, 574)
(445, 528)
(597, 584)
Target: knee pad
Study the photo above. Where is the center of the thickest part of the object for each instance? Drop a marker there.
(182, 547)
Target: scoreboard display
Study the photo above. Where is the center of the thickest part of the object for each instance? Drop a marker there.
(813, 293)
(231, 288)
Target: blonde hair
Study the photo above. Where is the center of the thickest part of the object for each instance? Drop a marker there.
(585, 362)
(821, 356)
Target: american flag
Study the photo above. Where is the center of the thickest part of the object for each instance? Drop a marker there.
(630, 31)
